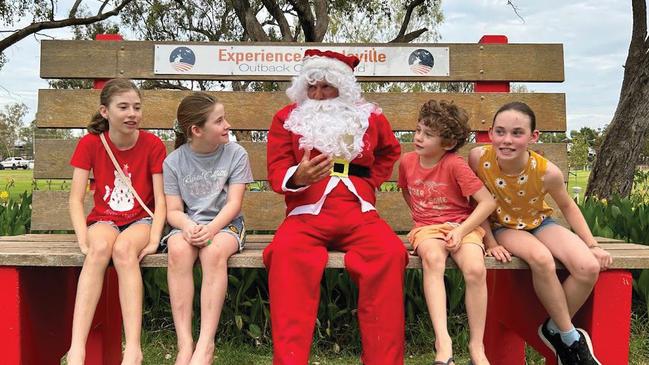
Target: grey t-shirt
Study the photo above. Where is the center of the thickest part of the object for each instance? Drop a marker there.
(201, 180)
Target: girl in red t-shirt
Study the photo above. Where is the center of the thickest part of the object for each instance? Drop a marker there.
(437, 185)
(118, 227)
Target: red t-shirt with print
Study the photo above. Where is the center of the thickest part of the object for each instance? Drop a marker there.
(113, 200)
(438, 194)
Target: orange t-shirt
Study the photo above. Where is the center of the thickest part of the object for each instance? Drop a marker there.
(439, 194)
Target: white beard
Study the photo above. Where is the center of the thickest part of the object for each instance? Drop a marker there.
(331, 126)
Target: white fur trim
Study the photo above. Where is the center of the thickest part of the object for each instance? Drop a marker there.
(326, 63)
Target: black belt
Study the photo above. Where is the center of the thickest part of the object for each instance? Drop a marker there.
(354, 169)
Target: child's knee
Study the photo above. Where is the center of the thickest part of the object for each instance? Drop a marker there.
(475, 273)
(587, 271)
(99, 250)
(542, 261)
(123, 253)
(433, 260)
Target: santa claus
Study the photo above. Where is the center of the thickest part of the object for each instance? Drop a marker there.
(328, 152)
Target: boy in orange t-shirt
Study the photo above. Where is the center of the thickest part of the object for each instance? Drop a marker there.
(437, 184)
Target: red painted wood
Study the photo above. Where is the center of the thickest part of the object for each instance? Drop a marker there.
(490, 86)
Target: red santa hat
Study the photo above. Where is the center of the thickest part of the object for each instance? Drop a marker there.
(329, 60)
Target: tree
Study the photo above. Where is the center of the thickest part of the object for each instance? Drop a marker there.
(623, 142)
(43, 18)
(578, 154)
(11, 122)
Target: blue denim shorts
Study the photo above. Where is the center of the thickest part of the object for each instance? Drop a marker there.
(548, 221)
(120, 229)
(236, 228)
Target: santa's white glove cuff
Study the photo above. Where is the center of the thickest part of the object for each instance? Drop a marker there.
(289, 173)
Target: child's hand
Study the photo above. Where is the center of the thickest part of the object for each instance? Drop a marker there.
(500, 253)
(603, 257)
(203, 235)
(454, 239)
(83, 246)
(188, 232)
(149, 249)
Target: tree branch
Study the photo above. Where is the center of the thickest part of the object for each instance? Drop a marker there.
(36, 27)
(407, 38)
(515, 8)
(277, 14)
(321, 19)
(249, 20)
(307, 20)
(406, 21)
(73, 9)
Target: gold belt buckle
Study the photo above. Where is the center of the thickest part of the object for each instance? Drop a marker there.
(340, 168)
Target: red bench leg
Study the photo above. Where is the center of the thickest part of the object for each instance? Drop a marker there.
(607, 316)
(514, 313)
(36, 307)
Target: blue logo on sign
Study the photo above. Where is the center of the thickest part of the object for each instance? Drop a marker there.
(182, 59)
(421, 61)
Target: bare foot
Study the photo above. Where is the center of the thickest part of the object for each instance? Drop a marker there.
(477, 354)
(132, 356)
(203, 355)
(443, 349)
(75, 357)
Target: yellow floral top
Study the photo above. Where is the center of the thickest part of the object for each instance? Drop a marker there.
(520, 198)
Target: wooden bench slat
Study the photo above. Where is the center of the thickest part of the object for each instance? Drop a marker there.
(53, 157)
(255, 111)
(627, 256)
(468, 62)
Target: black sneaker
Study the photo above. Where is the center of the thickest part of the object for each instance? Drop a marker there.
(553, 341)
(582, 350)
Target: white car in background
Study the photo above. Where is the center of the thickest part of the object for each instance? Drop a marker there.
(14, 163)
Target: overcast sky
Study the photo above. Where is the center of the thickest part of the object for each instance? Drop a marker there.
(595, 37)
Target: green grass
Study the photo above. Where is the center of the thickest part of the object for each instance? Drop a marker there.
(17, 182)
(160, 348)
(578, 178)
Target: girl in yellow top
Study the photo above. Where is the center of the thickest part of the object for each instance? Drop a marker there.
(519, 180)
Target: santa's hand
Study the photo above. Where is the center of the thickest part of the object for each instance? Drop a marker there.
(313, 170)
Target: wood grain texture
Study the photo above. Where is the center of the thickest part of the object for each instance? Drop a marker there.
(52, 157)
(255, 111)
(468, 62)
(32, 252)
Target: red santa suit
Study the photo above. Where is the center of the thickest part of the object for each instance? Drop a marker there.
(335, 213)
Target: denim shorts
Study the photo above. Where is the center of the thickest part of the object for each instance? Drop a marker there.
(120, 229)
(548, 221)
(237, 228)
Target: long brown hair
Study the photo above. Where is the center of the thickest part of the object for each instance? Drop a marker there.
(193, 110)
(98, 124)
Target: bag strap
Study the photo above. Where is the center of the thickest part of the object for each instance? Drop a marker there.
(122, 176)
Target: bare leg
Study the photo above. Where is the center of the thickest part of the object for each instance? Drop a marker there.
(180, 276)
(214, 262)
(101, 238)
(470, 259)
(568, 248)
(544, 277)
(433, 256)
(125, 258)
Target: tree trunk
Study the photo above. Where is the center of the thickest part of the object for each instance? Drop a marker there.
(620, 150)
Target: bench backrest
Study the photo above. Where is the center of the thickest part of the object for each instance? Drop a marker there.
(486, 64)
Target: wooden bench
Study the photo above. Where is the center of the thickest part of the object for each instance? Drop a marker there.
(38, 272)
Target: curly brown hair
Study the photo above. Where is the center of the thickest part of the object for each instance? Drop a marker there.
(448, 120)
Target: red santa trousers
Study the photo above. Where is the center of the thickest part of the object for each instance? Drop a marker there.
(375, 259)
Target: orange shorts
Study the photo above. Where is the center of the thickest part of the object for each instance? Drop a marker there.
(439, 231)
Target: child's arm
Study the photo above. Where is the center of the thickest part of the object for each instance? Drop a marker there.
(229, 211)
(159, 215)
(492, 247)
(77, 194)
(406, 197)
(554, 185)
(485, 205)
(177, 218)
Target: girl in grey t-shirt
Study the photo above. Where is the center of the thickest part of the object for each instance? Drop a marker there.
(204, 183)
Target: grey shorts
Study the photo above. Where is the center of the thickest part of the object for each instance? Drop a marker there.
(237, 228)
(120, 229)
(548, 221)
